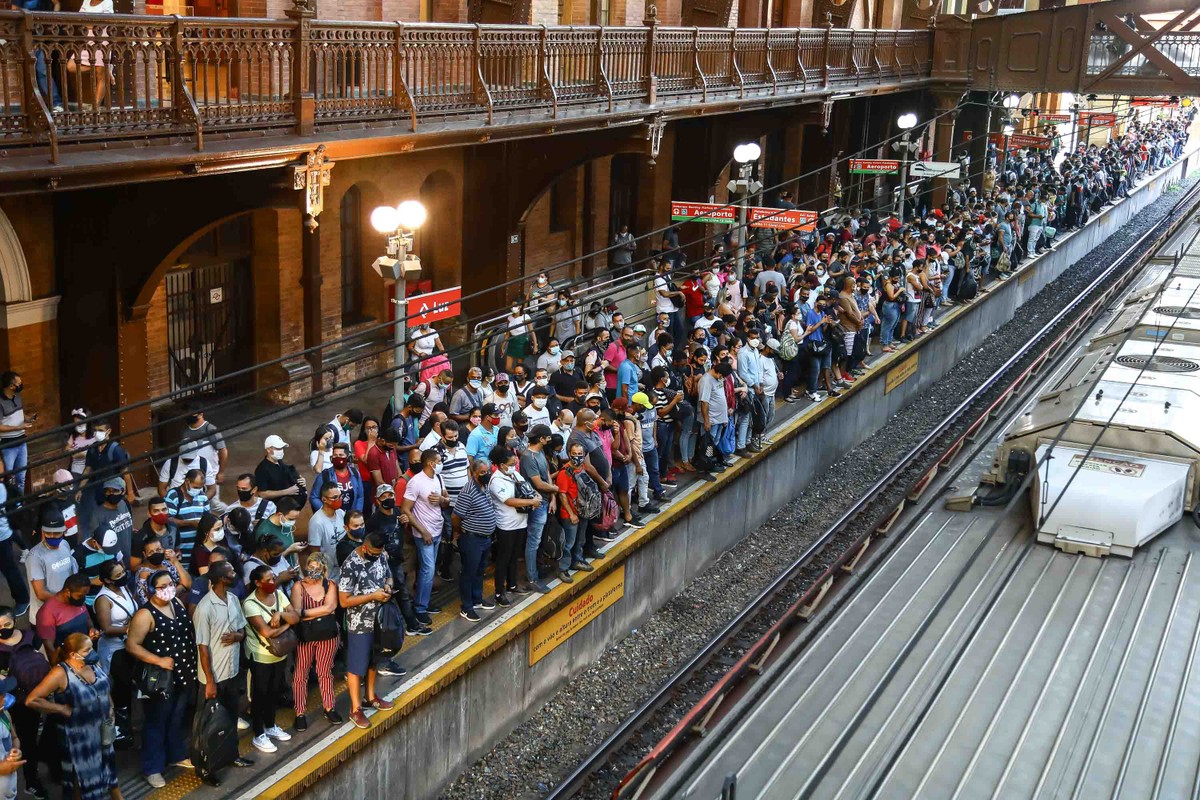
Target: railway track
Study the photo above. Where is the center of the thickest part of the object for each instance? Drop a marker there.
(707, 684)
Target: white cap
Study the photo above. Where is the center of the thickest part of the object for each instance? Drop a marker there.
(274, 441)
(109, 538)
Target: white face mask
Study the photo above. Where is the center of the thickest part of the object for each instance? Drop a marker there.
(755, 343)
(217, 534)
(277, 453)
(82, 428)
(541, 382)
(101, 435)
(515, 311)
(542, 280)
(555, 350)
(539, 403)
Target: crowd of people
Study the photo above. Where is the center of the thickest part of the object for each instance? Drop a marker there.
(321, 562)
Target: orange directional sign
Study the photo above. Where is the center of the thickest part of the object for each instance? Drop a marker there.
(782, 219)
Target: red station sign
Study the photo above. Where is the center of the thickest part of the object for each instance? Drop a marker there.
(781, 219)
(431, 307)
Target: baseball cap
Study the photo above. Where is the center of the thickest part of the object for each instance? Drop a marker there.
(115, 483)
(53, 519)
(384, 488)
(108, 538)
(489, 410)
(274, 441)
(639, 328)
(640, 399)
(63, 476)
(502, 378)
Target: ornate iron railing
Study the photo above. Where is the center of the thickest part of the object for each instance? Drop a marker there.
(74, 78)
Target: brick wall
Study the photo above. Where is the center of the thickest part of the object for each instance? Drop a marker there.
(32, 350)
(158, 376)
(544, 12)
(545, 247)
(32, 217)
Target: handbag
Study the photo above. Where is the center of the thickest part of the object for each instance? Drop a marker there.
(319, 629)
(155, 682)
(816, 347)
(284, 644)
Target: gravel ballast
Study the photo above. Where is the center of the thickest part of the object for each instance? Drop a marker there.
(544, 748)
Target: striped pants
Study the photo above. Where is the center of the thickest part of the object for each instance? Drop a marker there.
(306, 654)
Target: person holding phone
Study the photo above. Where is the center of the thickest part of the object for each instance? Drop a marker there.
(13, 427)
(365, 582)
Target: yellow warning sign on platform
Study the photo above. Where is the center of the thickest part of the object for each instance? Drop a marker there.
(900, 373)
(566, 622)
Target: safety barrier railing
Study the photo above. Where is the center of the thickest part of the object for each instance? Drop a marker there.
(71, 78)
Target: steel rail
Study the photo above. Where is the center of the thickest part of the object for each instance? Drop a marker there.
(1084, 306)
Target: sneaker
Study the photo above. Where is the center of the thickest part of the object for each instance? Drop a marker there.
(649, 508)
(834, 393)
(241, 761)
(661, 497)
(334, 717)
(488, 605)
(58, 109)
(420, 630)
(522, 590)
(21, 610)
(814, 397)
(636, 522)
(391, 668)
(565, 576)
(261, 742)
(669, 481)
(383, 705)
(583, 566)
(593, 554)
(360, 719)
(841, 385)
(278, 734)
(37, 792)
(503, 601)
(847, 379)
(432, 609)
(470, 615)
(424, 618)
(156, 780)
(301, 723)
(541, 587)
(243, 724)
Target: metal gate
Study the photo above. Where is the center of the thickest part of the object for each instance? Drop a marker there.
(208, 323)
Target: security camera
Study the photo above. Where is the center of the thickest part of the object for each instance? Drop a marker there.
(394, 269)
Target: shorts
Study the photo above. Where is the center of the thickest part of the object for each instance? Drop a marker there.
(518, 346)
(620, 477)
(360, 648)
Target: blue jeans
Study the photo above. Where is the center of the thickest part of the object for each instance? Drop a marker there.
(16, 457)
(473, 550)
(716, 432)
(426, 564)
(891, 318)
(650, 475)
(572, 533)
(533, 538)
(816, 364)
(687, 435)
(164, 736)
(45, 82)
(947, 279)
(743, 430)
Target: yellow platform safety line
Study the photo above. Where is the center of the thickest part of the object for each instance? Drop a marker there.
(355, 739)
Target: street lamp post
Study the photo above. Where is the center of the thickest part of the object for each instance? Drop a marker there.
(1008, 131)
(906, 122)
(745, 155)
(1010, 104)
(399, 224)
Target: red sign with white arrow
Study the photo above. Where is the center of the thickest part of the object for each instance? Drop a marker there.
(442, 304)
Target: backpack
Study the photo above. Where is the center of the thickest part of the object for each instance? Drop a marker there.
(789, 348)
(214, 742)
(27, 664)
(389, 628)
(609, 511)
(706, 456)
(173, 464)
(588, 504)
(968, 286)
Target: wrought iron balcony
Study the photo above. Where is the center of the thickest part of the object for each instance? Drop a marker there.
(137, 78)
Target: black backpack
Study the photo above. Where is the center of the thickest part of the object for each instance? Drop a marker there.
(389, 628)
(968, 286)
(214, 738)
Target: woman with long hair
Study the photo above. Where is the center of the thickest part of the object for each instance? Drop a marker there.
(368, 433)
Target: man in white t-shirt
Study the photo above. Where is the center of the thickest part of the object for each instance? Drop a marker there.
(424, 497)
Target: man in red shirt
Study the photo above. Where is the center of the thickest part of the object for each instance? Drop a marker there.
(693, 298)
(65, 613)
(382, 462)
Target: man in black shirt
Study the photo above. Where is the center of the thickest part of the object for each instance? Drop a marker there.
(389, 521)
(274, 478)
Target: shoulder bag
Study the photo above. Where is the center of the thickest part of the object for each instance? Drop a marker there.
(318, 629)
(284, 644)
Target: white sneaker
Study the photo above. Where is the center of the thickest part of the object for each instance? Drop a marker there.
(156, 780)
(243, 724)
(813, 396)
(263, 742)
(278, 733)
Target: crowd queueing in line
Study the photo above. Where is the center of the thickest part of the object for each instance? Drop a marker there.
(321, 561)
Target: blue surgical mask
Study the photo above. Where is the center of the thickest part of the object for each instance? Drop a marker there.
(92, 659)
(475, 383)
(52, 543)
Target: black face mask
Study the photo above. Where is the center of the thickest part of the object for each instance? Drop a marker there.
(193, 419)
(8, 633)
(156, 559)
(484, 479)
(112, 499)
(355, 533)
(371, 559)
(76, 601)
(245, 495)
(387, 505)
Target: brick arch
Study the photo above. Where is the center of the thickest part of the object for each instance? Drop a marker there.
(15, 285)
(435, 242)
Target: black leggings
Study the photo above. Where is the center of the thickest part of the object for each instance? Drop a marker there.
(508, 551)
(37, 750)
(266, 684)
(121, 675)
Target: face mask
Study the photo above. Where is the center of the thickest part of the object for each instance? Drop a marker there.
(542, 382)
(568, 366)
(9, 701)
(159, 518)
(539, 403)
(355, 533)
(450, 443)
(340, 463)
(515, 310)
(193, 419)
(156, 559)
(7, 633)
(81, 428)
(77, 601)
(268, 587)
(196, 491)
(101, 435)
(387, 505)
(577, 460)
(475, 383)
(501, 388)
(277, 453)
(52, 543)
(19, 389)
(476, 420)
(555, 350)
(245, 495)
(484, 480)
(371, 559)
(542, 280)
(755, 343)
(112, 499)
(287, 526)
(315, 573)
(92, 658)
(217, 534)
(437, 469)
(117, 580)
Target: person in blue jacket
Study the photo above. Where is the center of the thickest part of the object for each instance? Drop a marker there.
(344, 476)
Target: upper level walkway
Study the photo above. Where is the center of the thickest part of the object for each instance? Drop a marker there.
(192, 94)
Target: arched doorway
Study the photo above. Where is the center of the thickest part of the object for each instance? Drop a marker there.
(435, 242)
(208, 303)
